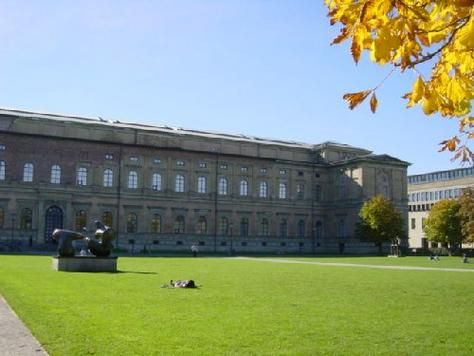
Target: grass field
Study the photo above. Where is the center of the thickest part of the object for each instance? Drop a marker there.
(245, 306)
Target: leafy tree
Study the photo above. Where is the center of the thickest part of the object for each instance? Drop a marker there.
(407, 33)
(444, 223)
(379, 221)
(466, 213)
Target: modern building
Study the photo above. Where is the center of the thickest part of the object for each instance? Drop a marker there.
(168, 188)
(424, 190)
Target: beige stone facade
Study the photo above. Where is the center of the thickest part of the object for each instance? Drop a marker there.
(168, 188)
(424, 190)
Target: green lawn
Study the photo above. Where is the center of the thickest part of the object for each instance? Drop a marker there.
(244, 307)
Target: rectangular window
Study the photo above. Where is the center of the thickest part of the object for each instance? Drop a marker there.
(109, 156)
(180, 163)
(156, 160)
(2, 147)
(413, 223)
(223, 166)
(133, 159)
(263, 170)
(244, 169)
(202, 164)
(282, 171)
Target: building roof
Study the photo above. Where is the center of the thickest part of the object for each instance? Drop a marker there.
(88, 120)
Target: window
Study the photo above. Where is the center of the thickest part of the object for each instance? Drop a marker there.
(132, 223)
(263, 170)
(179, 225)
(202, 164)
(223, 166)
(55, 174)
(319, 229)
(107, 218)
(300, 173)
(202, 185)
(81, 220)
(222, 187)
(244, 227)
(156, 160)
(156, 224)
(423, 221)
(2, 218)
(342, 186)
(283, 228)
(108, 177)
(244, 169)
(244, 188)
(156, 181)
(180, 163)
(282, 191)
(263, 191)
(109, 156)
(264, 231)
(81, 176)
(2, 170)
(179, 184)
(2, 147)
(413, 223)
(201, 227)
(132, 180)
(300, 191)
(28, 172)
(341, 228)
(282, 171)
(133, 159)
(317, 193)
(224, 226)
(26, 219)
(301, 228)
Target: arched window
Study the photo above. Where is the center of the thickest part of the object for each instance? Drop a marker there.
(179, 184)
(81, 176)
(244, 227)
(133, 180)
(81, 220)
(2, 170)
(107, 218)
(222, 187)
(202, 185)
(28, 172)
(301, 228)
(2, 218)
(156, 224)
(283, 228)
(244, 188)
(282, 191)
(263, 191)
(156, 181)
(26, 219)
(223, 226)
(179, 225)
(132, 223)
(264, 227)
(55, 174)
(202, 225)
(108, 177)
(319, 229)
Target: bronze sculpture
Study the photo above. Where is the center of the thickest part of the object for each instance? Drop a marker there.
(100, 246)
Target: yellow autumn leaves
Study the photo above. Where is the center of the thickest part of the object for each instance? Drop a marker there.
(406, 33)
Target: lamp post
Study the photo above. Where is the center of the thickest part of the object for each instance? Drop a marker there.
(231, 248)
(13, 216)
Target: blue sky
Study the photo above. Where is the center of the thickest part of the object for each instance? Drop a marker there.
(257, 67)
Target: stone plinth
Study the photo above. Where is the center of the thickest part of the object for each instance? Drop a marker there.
(85, 264)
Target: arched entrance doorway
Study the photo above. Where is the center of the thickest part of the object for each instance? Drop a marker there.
(53, 220)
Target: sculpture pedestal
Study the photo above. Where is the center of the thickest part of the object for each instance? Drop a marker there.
(85, 264)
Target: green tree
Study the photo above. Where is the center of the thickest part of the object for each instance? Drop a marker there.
(379, 222)
(466, 213)
(444, 223)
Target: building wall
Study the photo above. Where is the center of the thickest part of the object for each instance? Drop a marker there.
(424, 190)
(318, 213)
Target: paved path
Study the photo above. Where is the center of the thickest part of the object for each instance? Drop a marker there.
(410, 268)
(15, 338)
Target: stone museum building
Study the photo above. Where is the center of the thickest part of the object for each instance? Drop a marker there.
(424, 190)
(168, 188)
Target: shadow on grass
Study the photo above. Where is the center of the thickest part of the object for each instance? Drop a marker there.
(135, 272)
